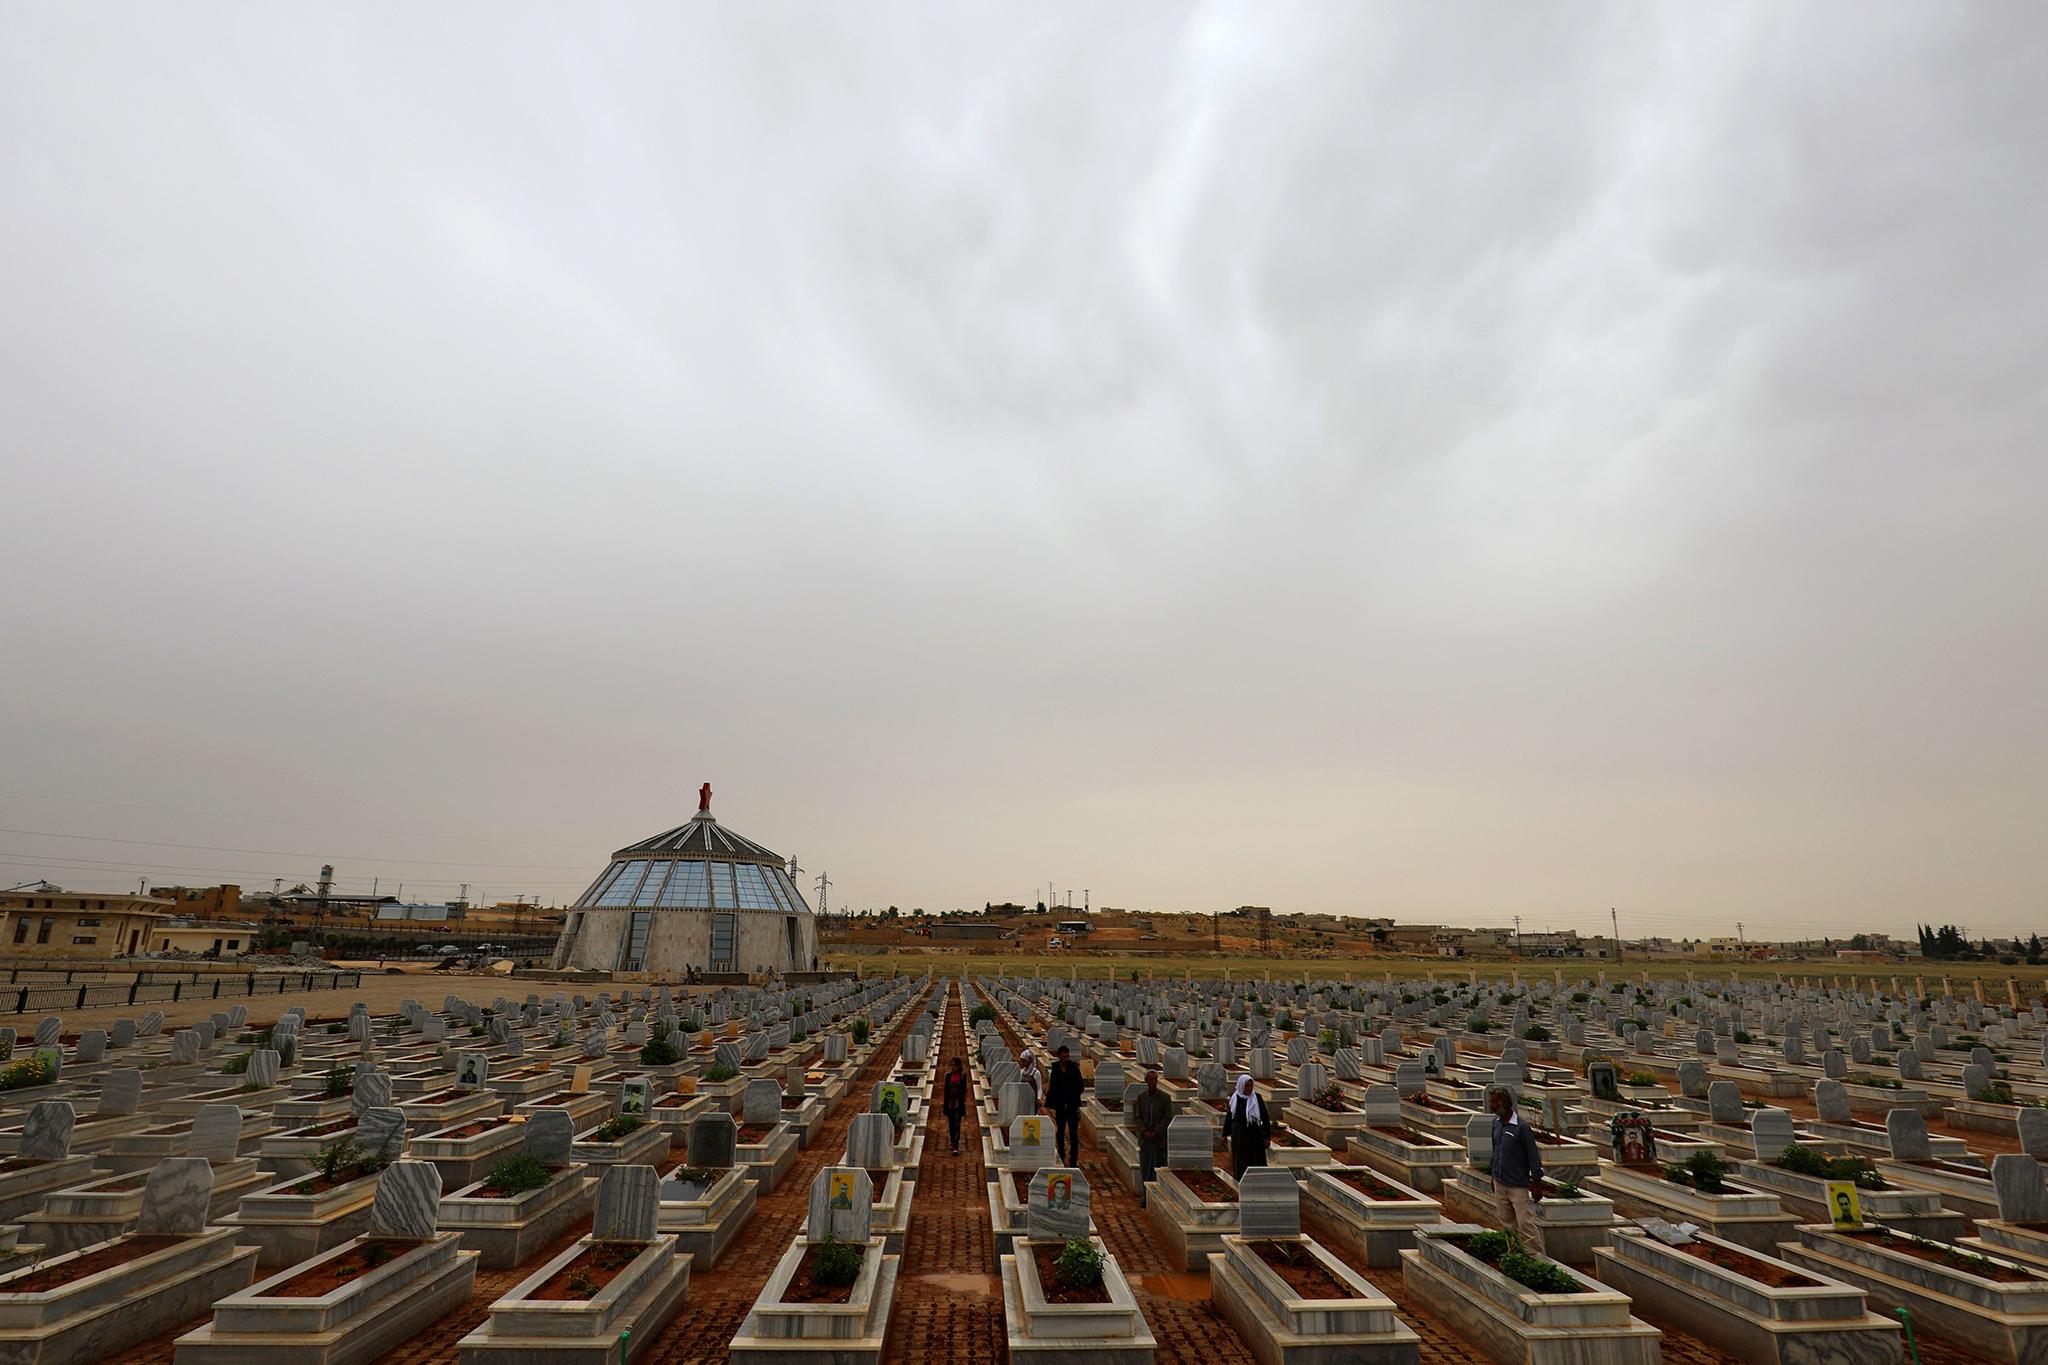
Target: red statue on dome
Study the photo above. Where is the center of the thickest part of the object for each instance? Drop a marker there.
(704, 799)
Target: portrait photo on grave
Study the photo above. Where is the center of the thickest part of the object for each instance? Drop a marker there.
(1845, 1205)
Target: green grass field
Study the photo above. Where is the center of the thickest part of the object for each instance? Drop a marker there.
(2032, 980)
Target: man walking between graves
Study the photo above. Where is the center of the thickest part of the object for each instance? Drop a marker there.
(1063, 1091)
(1517, 1168)
(1027, 1074)
(1247, 1126)
(953, 1100)
(1153, 1111)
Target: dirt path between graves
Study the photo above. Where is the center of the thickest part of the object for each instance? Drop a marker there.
(1187, 1324)
(949, 1299)
(720, 1299)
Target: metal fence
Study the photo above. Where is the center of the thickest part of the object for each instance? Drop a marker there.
(161, 988)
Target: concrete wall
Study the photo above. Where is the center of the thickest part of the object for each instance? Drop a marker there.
(679, 939)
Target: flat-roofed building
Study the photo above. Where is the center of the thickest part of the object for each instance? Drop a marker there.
(53, 923)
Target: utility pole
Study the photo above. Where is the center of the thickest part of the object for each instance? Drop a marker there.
(1615, 920)
(320, 906)
(1084, 900)
(824, 887)
(1216, 930)
(1518, 935)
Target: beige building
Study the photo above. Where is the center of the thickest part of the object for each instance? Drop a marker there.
(50, 923)
(694, 898)
(223, 938)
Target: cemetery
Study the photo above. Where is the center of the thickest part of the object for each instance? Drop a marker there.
(582, 1175)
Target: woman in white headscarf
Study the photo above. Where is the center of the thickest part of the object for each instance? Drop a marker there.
(1247, 1126)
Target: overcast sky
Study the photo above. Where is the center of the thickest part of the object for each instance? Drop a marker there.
(1450, 462)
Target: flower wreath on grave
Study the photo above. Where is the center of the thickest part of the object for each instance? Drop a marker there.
(1630, 1134)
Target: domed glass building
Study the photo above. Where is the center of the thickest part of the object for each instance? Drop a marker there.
(696, 896)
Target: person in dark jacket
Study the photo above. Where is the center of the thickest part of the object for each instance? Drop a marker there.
(1517, 1168)
(1151, 1111)
(1063, 1092)
(1248, 1127)
(953, 1099)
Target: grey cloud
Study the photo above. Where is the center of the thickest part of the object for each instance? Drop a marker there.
(1465, 463)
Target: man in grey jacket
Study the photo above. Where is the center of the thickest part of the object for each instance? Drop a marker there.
(1151, 1111)
(1517, 1168)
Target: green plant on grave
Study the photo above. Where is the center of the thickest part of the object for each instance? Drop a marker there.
(612, 1129)
(1534, 1272)
(720, 1073)
(1079, 1264)
(1639, 1078)
(341, 1080)
(1503, 1251)
(1537, 1033)
(375, 1254)
(836, 1262)
(1997, 1092)
(658, 1052)
(27, 1071)
(860, 1032)
(1489, 1246)
(1703, 1171)
(584, 1285)
(518, 1174)
(1565, 1189)
(1820, 1166)
(238, 1064)
(979, 1013)
(344, 1160)
(1870, 1082)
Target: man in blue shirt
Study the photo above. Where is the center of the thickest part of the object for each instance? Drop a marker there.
(1517, 1168)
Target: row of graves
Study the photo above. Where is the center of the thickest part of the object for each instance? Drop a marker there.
(1679, 1193)
(331, 1190)
(829, 1297)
